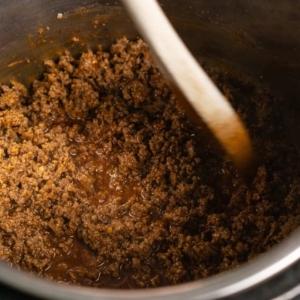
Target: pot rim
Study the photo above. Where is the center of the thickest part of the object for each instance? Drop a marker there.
(229, 283)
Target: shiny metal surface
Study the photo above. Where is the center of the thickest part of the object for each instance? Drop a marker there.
(258, 38)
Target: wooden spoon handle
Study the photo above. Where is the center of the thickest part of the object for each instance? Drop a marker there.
(182, 70)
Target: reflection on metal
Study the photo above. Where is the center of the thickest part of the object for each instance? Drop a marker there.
(292, 294)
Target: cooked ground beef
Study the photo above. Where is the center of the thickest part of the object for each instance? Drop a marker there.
(105, 182)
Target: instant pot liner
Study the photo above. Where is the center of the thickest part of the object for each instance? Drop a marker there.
(240, 37)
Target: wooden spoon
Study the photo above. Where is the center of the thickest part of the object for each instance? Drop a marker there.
(182, 70)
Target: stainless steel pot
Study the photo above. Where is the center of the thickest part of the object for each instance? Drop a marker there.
(257, 37)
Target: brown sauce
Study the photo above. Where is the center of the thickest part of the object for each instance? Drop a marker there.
(105, 182)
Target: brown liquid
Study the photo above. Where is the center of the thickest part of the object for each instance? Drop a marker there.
(135, 197)
(79, 266)
(98, 185)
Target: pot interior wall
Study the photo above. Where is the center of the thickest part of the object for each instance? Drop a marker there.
(255, 37)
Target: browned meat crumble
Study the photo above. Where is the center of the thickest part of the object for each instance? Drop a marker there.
(105, 182)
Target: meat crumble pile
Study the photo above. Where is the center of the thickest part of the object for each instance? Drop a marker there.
(105, 182)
